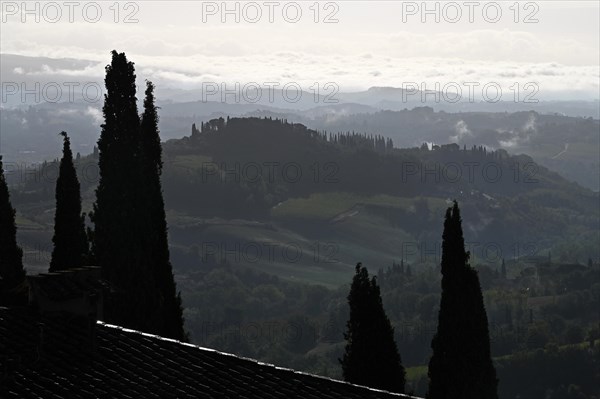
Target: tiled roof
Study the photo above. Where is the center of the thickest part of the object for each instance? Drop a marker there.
(67, 357)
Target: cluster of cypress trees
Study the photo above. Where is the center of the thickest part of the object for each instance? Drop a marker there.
(461, 365)
(12, 273)
(129, 240)
(130, 230)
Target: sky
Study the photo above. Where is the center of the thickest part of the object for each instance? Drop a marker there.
(354, 44)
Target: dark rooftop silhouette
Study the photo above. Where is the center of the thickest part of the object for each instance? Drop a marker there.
(53, 352)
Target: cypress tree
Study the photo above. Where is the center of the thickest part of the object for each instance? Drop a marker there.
(70, 240)
(117, 246)
(169, 313)
(371, 357)
(12, 273)
(461, 365)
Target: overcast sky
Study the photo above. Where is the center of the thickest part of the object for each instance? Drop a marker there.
(372, 43)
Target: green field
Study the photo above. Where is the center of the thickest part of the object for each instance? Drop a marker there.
(325, 206)
(27, 224)
(187, 161)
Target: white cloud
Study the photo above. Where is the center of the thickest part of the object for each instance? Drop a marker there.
(530, 125)
(368, 47)
(89, 70)
(547, 80)
(96, 114)
(515, 138)
(462, 130)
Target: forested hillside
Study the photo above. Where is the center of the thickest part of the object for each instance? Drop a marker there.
(268, 218)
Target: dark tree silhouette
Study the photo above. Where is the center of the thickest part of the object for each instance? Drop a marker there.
(371, 357)
(130, 235)
(169, 311)
(461, 365)
(12, 273)
(116, 245)
(70, 240)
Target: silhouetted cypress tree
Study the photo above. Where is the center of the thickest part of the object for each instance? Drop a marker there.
(12, 273)
(371, 357)
(169, 321)
(461, 365)
(70, 240)
(117, 245)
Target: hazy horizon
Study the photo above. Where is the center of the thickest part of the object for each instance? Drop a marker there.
(552, 45)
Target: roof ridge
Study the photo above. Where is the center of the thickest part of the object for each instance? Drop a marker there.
(129, 330)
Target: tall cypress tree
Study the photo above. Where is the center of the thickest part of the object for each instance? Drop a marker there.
(117, 246)
(371, 357)
(12, 273)
(130, 236)
(169, 313)
(70, 240)
(461, 365)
